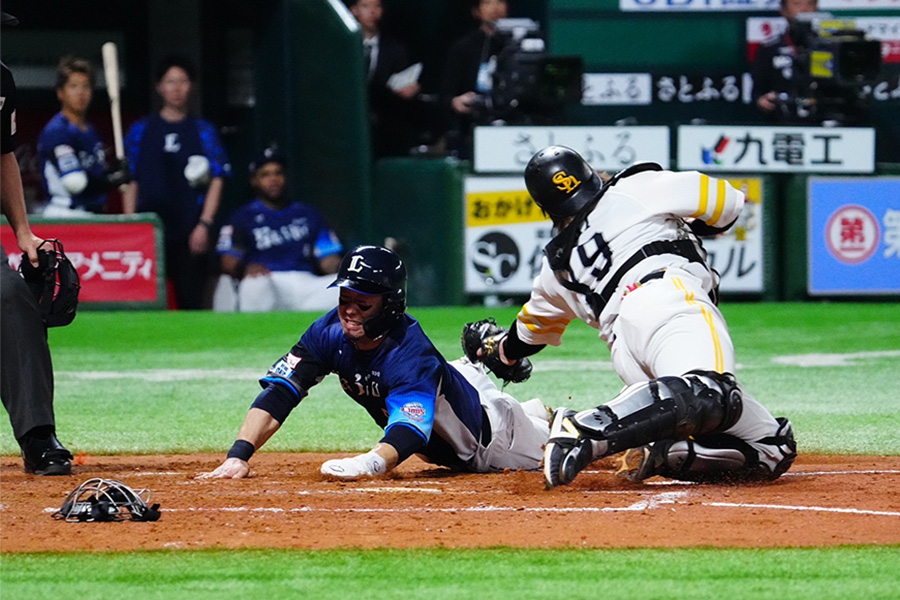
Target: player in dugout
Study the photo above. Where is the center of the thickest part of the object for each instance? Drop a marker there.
(449, 413)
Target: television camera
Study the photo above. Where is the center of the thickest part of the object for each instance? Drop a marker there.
(834, 63)
(529, 86)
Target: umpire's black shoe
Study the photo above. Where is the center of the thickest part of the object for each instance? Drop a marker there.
(45, 456)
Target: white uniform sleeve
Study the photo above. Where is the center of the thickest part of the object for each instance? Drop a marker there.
(72, 175)
(688, 194)
(544, 318)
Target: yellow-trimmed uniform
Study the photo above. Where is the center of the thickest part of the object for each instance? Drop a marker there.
(627, 262)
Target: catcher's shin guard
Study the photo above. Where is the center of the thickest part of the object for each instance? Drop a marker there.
(667, 408)
(725, 458)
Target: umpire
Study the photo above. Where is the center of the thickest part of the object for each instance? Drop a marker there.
(26, 372)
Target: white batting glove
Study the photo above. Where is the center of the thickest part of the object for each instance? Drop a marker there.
(369, 464)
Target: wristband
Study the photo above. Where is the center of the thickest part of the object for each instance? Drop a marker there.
(206, 223)
(241, 449)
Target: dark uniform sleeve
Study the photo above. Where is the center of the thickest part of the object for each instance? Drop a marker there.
(288, 381)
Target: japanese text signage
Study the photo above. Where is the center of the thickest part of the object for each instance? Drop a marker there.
(858, 4)
(505, 236)
(737, 254)
(118, 261)
(854, 236)
(698, 5)
(508, 149)
(776, 149)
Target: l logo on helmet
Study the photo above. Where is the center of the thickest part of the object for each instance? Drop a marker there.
(357, 264)
(566, 183)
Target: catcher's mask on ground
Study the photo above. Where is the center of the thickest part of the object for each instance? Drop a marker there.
(376, 270)
(561, 181)
(107, 500)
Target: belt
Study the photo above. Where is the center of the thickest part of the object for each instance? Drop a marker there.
(658, 274)
(485, 428)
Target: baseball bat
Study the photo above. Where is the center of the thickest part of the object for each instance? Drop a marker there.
(111, 71)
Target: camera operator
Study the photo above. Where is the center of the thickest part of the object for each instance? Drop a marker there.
(467, 78)
(817, 71)
(777, 79)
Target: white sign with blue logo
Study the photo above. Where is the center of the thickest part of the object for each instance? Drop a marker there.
(854, 236)
(783, 149)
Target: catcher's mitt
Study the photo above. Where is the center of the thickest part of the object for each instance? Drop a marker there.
(486, 335)
(54, 283)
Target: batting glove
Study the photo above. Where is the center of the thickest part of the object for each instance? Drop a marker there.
(369, 464)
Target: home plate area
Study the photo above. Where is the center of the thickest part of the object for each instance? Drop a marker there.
(286, 503)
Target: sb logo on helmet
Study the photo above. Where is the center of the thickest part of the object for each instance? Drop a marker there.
(566, 183)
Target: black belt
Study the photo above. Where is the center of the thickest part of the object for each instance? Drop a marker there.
(486, 434)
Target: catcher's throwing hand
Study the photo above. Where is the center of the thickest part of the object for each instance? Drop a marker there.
(232, 468)
(482, 341)
(369, 464)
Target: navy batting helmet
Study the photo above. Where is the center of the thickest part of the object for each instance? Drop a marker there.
(561, 181)
(376, 270)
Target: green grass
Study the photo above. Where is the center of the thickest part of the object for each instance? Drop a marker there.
(154, 382)
(798, 574)
(161, 382)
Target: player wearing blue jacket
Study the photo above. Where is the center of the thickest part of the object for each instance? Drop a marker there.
(449, 413)
(276, 254)
(74, 165)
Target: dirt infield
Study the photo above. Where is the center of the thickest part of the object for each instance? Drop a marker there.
(824, 500)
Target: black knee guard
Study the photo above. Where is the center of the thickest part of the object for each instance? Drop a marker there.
(673, 408)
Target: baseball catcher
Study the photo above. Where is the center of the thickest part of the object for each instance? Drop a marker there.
(449, 413)
(626, 260)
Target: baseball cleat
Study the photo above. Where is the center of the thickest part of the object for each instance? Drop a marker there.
(566, 452)
(643, 462)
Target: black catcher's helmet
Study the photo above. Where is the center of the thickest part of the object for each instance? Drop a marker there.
(377, 271)
(560, 181)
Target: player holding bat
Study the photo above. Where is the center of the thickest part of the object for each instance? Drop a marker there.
(76, 169)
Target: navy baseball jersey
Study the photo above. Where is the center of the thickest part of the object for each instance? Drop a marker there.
(64, 148)
(291, 239)
(7, 110)
(158, 152)
(399, 383)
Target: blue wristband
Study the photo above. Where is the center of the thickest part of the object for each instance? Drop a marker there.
(241, 449)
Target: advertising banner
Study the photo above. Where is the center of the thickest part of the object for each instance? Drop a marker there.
(698, 5)
(854, 236)
(737, 254)
(508, 149)
(119, 259)
(713, 148)
(505, 235)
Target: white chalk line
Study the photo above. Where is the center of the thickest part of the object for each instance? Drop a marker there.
(854, 511)
(848, 359)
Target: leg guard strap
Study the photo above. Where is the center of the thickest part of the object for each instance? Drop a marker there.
(673, 408)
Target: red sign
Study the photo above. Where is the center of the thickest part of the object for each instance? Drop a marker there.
(116, 261)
